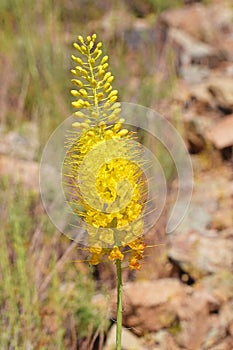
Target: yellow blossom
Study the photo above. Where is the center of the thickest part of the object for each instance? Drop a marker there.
(116, 254)
(134, 264)
(109, 196)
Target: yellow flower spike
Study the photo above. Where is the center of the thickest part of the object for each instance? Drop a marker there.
(100, 102)
(106, 186)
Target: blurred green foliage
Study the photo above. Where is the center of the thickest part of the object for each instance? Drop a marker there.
(31, 318)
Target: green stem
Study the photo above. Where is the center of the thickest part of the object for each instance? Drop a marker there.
(119, 305)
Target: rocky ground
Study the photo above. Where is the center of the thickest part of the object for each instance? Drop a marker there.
(183, 296)
(188, 303)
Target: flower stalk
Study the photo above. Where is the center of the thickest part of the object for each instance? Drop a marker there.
(104, 177)
(119, 305)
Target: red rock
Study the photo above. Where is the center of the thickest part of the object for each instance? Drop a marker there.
(199, 255)
(190, 50)
(221, 88)
(202, 22)
(147, 305)
(222, 133)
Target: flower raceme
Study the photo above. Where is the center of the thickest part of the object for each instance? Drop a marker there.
(105, 184)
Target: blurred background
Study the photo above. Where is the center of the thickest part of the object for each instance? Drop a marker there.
(175, 57)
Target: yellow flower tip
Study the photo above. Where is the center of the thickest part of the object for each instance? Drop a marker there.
(80, 38)
(107, 75)
(77, 82)
(94, 83)
(117, 126)
(113, 93)
(104, 59)
(123, 132)
(83, 92)
(116, 254)
(76, 125)
(113, 99)
(77, 46)
(79, 114)
(77, 59)
(85, 125)
(83, 50)
(95, 259)
(78, 104)
(110, 79)
(94, 37)
(100, 96)
(73, 71)
(74, 93)
(96, 250)
(109, 133)
(91, 133)
(88, 38)
(102, 124)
